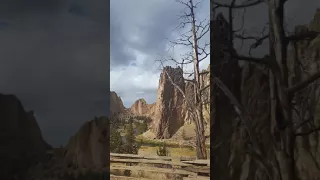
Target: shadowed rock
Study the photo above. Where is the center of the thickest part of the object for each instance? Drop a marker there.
(21, 140)
(169, 115)
(89, 147)
(116, 104)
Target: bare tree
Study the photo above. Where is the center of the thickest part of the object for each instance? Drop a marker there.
(193, 39)
(282, 92)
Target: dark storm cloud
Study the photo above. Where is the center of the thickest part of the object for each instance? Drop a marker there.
(151, 24)
(297, 12)
(119, 53)
(54, 58)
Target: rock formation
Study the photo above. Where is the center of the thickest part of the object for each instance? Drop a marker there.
(21, 140)
(116, 105)
(169, 112)
(141, 108)
(189, 91)
(86, 155)
(89, 147)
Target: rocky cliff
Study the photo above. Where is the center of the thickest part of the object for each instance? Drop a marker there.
(116, 105)
(86, 155)
(89, 147)
(142, 108)
(21, 140)
(169, 112)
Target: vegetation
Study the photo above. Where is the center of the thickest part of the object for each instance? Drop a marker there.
(143, 101)
(116, 143)
(126, 144)
(162, 151)
(184, 137)
(141, 127)
(130, 145)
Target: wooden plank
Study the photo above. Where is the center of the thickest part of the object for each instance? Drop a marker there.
(136, 156)
(126, 155)
(147, 161)
(140, 156)
(199, 162)
(187, 158)
(198, 169)
(113, 177)
(197, 178)
(153, 169)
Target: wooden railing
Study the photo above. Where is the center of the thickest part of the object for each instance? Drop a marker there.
(187, 167)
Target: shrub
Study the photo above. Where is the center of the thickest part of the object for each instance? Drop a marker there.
(115, 141)
(162, 150)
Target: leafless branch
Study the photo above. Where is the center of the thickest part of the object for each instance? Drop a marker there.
(302, 124)
(189, 80)
(304, 83)
(242, 21)
(259, 40)
(204, 88)
(303, 36)
(245, 5)
(264, 60)
(308, 132)
(204, 31)
(261, 160)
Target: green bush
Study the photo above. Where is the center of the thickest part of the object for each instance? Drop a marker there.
(130, 146)
(162, 151)
(116, 143)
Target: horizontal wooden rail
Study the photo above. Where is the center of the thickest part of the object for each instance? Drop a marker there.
(187, 167)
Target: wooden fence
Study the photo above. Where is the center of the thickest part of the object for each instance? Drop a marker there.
(188, 168)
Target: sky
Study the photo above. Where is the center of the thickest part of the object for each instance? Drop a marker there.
(297, 12)
(140, 34)
(54, 58)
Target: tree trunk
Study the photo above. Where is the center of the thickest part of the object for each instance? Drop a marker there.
(201, 140)
(201, 146)
(283, 129)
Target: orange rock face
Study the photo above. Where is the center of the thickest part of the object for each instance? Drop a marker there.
(141, 108)
(116, 104)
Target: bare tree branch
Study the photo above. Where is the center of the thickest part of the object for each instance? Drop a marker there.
(259, 40)
(308, 132)
(242, 21)
(303, 36)
(304, 83)
(204, 88)
(264, 60)
(245, 5)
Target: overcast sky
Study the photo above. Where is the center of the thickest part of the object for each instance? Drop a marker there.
(54, 57)
(297, 12)
(138, 37)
